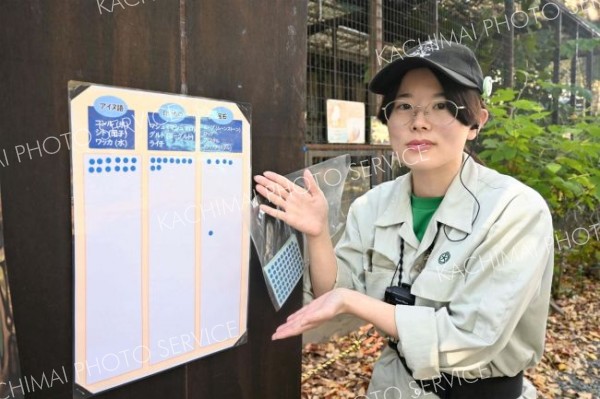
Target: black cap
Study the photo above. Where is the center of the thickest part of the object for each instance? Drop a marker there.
(452, 59)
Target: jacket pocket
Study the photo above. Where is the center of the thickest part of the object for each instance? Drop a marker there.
(380, 261)
(437, 286)
(378, 274)
(377, 281)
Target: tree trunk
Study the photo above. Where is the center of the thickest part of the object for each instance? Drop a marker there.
(509, 46)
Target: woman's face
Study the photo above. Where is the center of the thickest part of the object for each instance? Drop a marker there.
(420, 144)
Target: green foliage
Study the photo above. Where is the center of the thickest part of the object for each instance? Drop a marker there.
(574, 46)
(559, 161)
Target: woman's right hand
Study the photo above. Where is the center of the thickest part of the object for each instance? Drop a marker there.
(306, 210)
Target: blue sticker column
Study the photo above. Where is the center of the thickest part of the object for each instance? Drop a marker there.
(172, 255)
(112, 241)
(221, 216)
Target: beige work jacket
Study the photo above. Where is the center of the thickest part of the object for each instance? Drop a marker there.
(481, 296)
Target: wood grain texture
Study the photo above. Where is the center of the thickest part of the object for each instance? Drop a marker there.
(238, 50)
(45, 44)
(254, 52)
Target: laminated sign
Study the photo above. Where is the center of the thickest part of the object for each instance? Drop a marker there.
(161, 190)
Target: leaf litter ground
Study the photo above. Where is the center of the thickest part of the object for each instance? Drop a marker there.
(570, 367)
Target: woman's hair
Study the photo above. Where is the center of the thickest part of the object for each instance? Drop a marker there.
(455, 92)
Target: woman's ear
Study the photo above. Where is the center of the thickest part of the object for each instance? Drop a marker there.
(473, 133)
(483, 118)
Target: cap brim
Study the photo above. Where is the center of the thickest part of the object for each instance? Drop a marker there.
(389, 77)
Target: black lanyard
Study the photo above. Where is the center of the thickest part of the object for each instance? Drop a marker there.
(401, 260)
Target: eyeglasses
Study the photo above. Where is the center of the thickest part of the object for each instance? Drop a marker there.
(441, 113)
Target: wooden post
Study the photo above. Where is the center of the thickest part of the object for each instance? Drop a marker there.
(556, 66)
(237, 50)
(573, 78)
(509, 46)
(375, 47)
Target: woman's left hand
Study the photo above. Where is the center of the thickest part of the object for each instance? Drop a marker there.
(303, 209)
(322, 309)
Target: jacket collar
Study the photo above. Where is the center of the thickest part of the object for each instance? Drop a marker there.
(456, 209)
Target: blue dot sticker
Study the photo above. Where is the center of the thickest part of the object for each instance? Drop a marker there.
(165, 160)
(190, 160)
(152, 160)
(108, 160)
(208, 161)
(221, 115)
(117, 168)
(117, 159)
(153, 168)
(125, 160)
(99, 169)
(210, 232)
(107, 169)
(180, 160)
(172, 160)
(217, 162)
(133, 160)
(91, 169)
(230, 162)
(158, 160)
(92, 161)
(100, 161)
(133, 168)
(158, 167)
(125, 169)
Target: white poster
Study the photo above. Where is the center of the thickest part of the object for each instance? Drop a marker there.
(161, 190)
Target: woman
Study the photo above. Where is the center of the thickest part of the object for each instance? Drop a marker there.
(452, 261)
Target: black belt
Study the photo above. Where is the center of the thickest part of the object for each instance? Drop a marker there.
(452, 387)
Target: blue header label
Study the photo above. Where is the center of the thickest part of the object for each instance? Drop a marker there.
(171, 136)
(216, 137)
(171, 112)
(221, 115)
(110, 106)
(111, 132)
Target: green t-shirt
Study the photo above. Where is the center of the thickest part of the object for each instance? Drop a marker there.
(423, 209)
